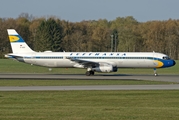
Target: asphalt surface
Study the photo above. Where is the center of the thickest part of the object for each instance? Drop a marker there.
(169, 78)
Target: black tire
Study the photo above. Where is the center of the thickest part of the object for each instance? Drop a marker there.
(88, 73)
(92, 72)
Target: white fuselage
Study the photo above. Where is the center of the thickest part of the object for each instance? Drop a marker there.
(118, 59)
(92, 61)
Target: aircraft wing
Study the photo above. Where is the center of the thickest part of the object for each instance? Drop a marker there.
(85, 63)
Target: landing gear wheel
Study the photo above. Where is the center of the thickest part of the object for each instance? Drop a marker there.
(92, 72)
(88, 73)
(156, 74)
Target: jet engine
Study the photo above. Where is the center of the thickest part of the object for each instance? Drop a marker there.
(105, 68)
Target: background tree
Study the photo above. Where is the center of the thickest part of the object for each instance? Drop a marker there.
(68, 29)
(172, 38)
(4, 39)
(49, 36)
(126, 33)
(94, 35)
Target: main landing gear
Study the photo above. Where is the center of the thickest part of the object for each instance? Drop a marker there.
(88, 73)
(155, 72)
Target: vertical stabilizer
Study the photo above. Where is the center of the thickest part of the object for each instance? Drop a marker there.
(18, 45)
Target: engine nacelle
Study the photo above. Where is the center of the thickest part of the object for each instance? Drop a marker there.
(105, 68)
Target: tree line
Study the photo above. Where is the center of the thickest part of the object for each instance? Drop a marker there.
(124, 34)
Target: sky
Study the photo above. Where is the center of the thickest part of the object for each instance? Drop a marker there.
(79, 10)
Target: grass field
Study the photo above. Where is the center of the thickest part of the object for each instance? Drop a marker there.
(78, 82)
(89, 105)
(10, 66)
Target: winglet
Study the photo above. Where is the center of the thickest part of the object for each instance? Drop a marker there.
(18, 45)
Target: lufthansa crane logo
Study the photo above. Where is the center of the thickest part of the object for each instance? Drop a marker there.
(14, 38)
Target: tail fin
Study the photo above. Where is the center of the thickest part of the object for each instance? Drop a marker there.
(18, 45)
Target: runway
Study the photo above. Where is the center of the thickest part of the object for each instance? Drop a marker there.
(168, 78)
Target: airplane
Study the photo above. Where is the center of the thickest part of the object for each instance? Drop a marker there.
(92, 61)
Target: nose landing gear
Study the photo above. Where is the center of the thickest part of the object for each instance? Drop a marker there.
(155, 72)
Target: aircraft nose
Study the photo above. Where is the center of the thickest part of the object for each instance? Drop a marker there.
(174, 62)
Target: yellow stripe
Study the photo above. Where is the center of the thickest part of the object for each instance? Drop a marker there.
(160, 64)
(13, 38)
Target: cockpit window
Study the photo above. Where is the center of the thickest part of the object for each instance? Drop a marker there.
(166, 58)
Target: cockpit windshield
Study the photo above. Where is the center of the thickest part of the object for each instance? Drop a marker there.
(166, 58)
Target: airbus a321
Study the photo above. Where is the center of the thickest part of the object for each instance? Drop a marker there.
(91, 61)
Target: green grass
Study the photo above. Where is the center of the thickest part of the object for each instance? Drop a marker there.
(89, 105)
(11, 66)
(78, 82)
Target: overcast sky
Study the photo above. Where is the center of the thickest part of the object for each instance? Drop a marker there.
(78, 10)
